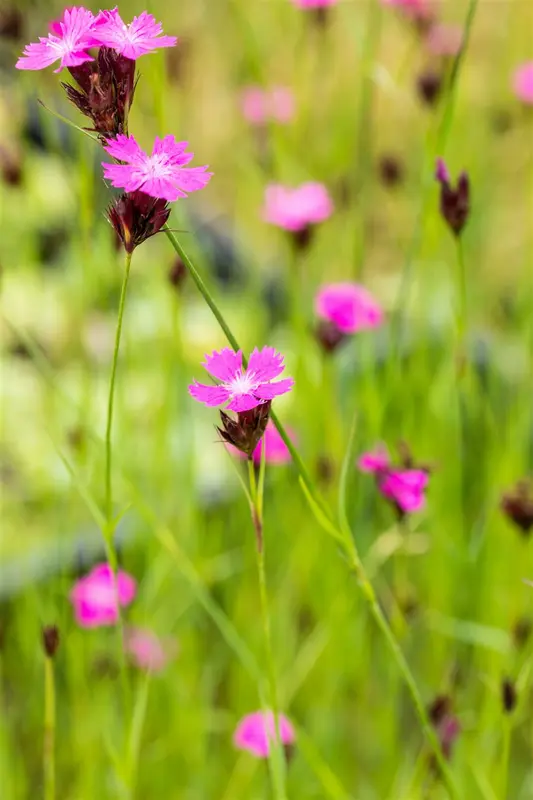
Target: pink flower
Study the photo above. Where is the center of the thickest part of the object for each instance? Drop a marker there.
(405, 487)
(296, 209)
(418, 9)
(95, 596)
(349, 306)
(67, 42)
(161, 174)
(314, 3)
(262, 105)
(255, 732)
(375, 460)
(242, 389)
(149, 652)
(523, 82)
(141, 36)
(276, 451)
(444, 40)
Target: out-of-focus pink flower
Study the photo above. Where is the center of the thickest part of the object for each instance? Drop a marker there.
(242, 389)
(95, 596)
(444, 40)
(442, 173)
(523, 82)
(264, 105)
(143, 35)
(417, 9)
(276, 451)
(148, 651)
(67, 42)
(405, 487)
(162, 174)
(375, 460)
(296, 209)
(256, 731)
(349, 306)
(314, 3)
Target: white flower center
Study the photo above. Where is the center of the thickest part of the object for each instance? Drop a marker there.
(98, 594)
(157, 166)
(242, 383)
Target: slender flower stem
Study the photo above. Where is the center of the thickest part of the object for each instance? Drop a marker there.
(49, 730)
(342, 534)
(111, 403)
(109, 531)
(462, 303)
(506, 749)
(278, 758)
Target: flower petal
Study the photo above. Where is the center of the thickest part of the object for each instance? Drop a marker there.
(209, 395)
(266, 364)
(223, 364)
(267, 391)
(244, 402)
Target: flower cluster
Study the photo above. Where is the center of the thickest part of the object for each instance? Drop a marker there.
(103, 92)
(403, 485)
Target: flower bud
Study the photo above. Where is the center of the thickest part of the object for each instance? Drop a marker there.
(245, 432)
(509, 696)
(517, 505)
(137, 216)
(454, 201)
(50, 635)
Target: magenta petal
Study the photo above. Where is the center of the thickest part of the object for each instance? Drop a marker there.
(243, 402)
(223, 364)
(266, 364)
(267, 391)
(209, 395)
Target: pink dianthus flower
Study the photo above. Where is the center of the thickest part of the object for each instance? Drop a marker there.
(523, 82)
(161, 174)
(143, 35)
(256, 731)
(404, 486)
(149, 651)
(445, 40)
(96, 597)
(349, 306)
(242, 388)
(67, 42)
(296, 209)
(263, 105)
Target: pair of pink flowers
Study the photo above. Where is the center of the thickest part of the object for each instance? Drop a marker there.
(404, 487)
(257, 731)
(79, 30)
(97, 599)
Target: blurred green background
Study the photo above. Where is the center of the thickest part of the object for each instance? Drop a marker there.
(452, 586)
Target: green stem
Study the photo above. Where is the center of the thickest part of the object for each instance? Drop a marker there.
(277, 759)
(111, 403)
(462, 303)
(506, 749)
(49, 730)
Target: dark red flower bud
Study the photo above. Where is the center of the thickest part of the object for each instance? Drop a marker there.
(329, 336)
(390, 170)
(521, 632)
(509, 696)
(517, 505)
(429, 86)
(11, 167)
(50, 640)
(11, 23)
(302, 238)
(105, 93)
(445, 723)
(136, 216)
(177, 273)
(454, 201)
(245, 432)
